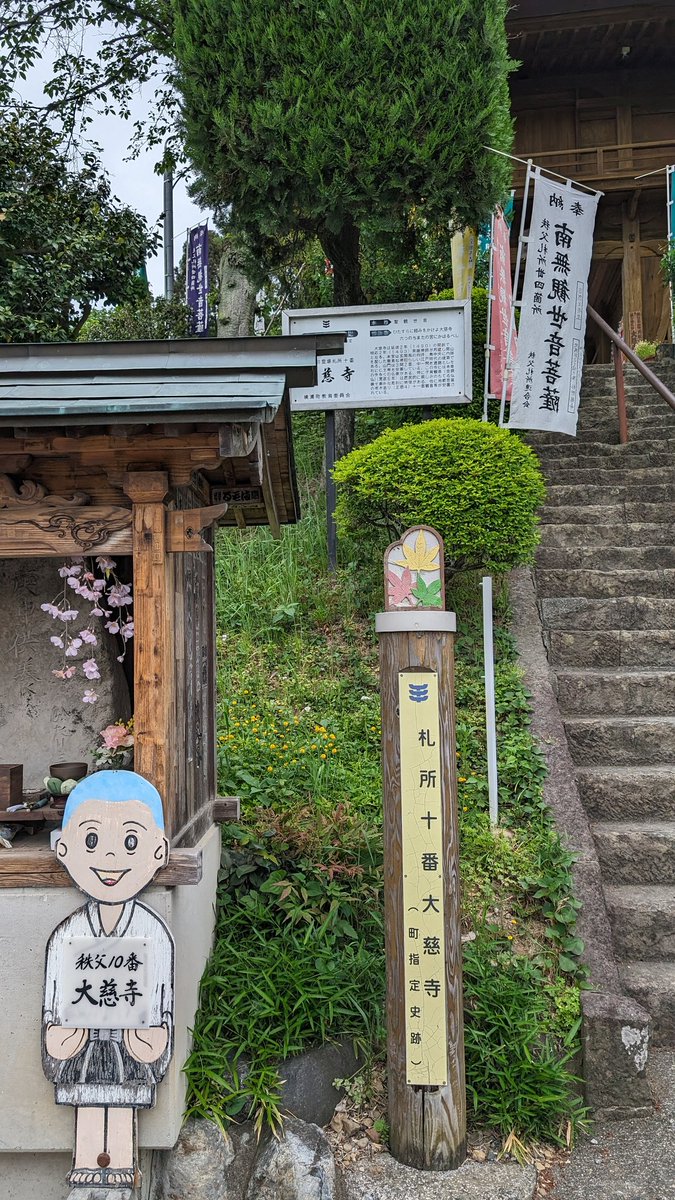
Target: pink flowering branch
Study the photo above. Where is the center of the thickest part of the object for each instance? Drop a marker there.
(97, 583)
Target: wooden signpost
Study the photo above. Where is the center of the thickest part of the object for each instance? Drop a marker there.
(425, 1031)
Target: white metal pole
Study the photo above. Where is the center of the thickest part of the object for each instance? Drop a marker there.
(515, 291)
(490, 298)
(490, 715)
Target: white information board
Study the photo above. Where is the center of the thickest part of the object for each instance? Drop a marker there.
(395, 354)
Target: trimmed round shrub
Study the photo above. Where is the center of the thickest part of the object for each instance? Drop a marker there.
(478, 485)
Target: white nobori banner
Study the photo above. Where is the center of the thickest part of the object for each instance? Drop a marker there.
(547, 377)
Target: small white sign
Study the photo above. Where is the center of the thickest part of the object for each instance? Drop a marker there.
(106, 983)
(395, 354)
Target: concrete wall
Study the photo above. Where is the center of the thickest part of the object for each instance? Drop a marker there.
(30, 1122)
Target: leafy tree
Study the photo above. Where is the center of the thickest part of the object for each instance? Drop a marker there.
(146, 320)
(65, 241)
(104, 50)
(314, 119)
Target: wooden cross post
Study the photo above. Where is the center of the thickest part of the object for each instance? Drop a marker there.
(425, 1029)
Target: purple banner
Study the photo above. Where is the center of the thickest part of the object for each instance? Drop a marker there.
(197, 280)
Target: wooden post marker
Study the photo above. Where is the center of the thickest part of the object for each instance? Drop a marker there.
(425, 1029)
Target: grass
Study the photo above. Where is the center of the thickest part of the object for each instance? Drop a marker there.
(299, 954)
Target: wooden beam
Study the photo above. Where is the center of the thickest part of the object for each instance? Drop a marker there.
(226, 808)
(531, 16)
(268, 491)
(236, 441)
(631, 277)
(154, 668)
(613, 249)
(184, 525)
(40, 868)
(40, 531)
(96, 448)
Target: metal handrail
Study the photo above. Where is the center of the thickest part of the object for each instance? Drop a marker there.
(619, 347)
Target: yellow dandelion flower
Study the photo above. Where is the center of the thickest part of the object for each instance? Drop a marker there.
(286, 724)
(273, 745)
(270, 768)
(313, 745)
(334, 750)
(302, 750)
(323, 755)
(332, 737)
(465, 809)
(461, 779)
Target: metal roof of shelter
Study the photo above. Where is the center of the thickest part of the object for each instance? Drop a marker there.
(225, 379)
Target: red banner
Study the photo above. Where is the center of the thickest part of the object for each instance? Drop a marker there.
(501, 308)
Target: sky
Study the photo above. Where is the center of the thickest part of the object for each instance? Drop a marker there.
(133, 182)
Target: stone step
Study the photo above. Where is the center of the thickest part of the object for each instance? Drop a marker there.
(604, 559)
(558, 475)
(629, 533)
(661, 448)
(635, 852)
(611, 648)
(620, 793)
(588, 513)
(616, 693)
(625, 492)
(607, 432)
(621, 741)
(652, 984)
(643, 921)
(596, 584)
(611, 612)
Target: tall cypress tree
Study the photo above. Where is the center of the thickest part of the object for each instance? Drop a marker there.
(313, 116)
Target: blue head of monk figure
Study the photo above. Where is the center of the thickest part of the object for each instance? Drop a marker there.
(112, 841)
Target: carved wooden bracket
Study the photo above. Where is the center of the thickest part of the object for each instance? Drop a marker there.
(184, 525)
(41, 530)
(29, 493)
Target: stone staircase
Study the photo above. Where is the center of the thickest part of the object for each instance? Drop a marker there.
(605, 581)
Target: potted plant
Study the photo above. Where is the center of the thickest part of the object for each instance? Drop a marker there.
(116, 751)
(646, 350)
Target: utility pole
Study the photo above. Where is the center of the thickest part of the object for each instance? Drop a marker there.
(168, 234)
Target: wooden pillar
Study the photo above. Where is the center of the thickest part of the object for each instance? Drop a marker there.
(631, 274)
(153, 637)
(427, 1123)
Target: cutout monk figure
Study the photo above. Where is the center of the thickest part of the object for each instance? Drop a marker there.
(108, 1006)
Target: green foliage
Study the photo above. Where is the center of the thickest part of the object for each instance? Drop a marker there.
(479, 307)
(479, 486)
(515, 1067)
(65, 242)
(645, 349)
(147, 319)
(298, 956)
(304, 867)
(314, 121)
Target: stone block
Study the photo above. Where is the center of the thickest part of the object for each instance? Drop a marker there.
(615, 1041)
